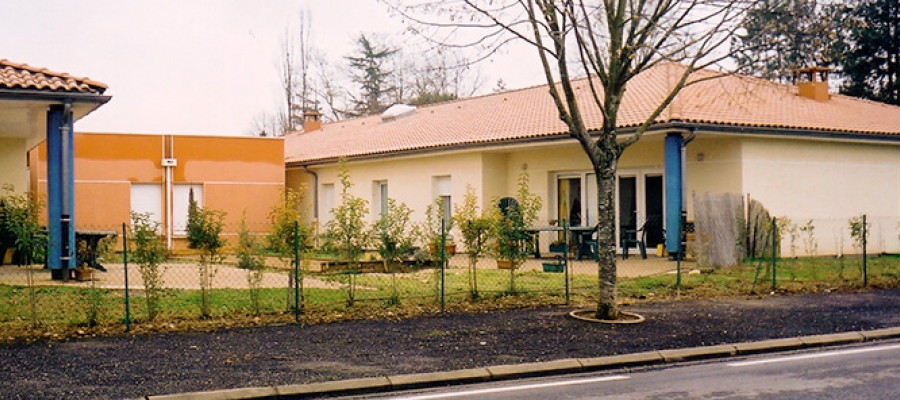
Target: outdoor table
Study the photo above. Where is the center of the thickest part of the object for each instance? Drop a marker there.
(580, 234)
(87, 253)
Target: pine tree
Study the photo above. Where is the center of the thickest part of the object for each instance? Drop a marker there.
(372, 75)
(872, 64)
(781, 36)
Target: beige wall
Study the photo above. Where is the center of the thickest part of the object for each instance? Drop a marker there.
(800, 179)
(13, 168)
(820, 179)
(828, 183)
(409, 180)
(714, 165)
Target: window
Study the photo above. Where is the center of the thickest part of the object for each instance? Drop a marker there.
(442, 190)
(147, 198)
(380, 198)
(181, 200)
(327, 203)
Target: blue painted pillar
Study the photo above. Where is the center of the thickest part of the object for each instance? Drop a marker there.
(674, 196)
(60, 191)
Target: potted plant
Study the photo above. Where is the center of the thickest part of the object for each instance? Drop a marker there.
(557, 265)
(558, 246)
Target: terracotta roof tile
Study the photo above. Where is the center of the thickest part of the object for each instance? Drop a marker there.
(729, 100)
(24, 76)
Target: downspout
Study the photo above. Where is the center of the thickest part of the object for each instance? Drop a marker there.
(168, 152)
(68, 199)
(690, 138)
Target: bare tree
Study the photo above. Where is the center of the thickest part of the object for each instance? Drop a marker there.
(439, 74)
(264, 125)
(331, 94)
(295, 61)
(611, 42)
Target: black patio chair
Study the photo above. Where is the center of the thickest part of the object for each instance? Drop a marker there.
(631, 237)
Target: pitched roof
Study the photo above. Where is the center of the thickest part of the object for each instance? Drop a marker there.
(26, 77)
(529, 113)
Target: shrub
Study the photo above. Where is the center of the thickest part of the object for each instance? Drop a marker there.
(148, 250)
(205, 234)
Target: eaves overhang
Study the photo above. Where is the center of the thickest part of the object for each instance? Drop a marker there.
(661, 127)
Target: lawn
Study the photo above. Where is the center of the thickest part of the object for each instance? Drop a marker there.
(29, 311)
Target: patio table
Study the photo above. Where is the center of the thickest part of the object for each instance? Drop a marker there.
(580, 234)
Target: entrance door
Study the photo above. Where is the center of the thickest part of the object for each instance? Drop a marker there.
(653, 198)
(627, 204)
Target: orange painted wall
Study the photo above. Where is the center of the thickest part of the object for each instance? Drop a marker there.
(236, 173)
(202, 159)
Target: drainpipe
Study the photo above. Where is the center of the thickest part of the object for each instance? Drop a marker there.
(690, 138)
(169, 163)
(68, 188)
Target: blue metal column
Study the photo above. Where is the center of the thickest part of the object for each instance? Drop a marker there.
(60, 185)
(674, 188)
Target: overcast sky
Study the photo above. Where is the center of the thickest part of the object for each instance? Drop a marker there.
(192, 66)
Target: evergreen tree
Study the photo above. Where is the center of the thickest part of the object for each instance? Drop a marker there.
(780, 36)
(372, 75)
(872, 63)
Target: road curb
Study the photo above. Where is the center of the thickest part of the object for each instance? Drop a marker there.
(515, 371)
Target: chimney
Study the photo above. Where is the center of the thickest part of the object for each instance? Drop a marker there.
(812, 83)
(312, 121)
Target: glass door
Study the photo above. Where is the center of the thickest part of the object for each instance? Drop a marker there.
(569, 200)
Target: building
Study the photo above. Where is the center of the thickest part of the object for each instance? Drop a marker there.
(116, 174)
(800, 151)
(37, 105)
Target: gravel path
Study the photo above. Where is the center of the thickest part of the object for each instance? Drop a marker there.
(135, 366)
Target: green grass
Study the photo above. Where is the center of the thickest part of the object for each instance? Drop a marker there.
(375, 295)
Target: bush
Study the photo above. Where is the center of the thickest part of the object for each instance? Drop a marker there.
(148, 250)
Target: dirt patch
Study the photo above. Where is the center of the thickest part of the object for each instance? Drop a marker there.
(131, 366)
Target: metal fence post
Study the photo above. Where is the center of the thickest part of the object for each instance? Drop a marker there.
(865, 267)
(296, 272)
(125, 263)
(566, 256)
(773, 234)
(443, 251)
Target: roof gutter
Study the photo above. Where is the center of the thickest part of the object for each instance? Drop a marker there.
(37, 95)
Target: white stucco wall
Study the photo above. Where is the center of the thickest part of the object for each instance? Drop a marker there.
(13, 168)
(828, 183)
(714, 165)
(410, 180)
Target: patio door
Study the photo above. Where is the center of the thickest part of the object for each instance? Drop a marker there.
(576, 199)
(641, 203)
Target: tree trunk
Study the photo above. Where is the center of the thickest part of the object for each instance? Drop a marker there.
(606, 241)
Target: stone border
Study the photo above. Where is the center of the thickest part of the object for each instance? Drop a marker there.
(587, 315)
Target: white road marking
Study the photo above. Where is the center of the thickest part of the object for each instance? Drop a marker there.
(477, 392)
(816, 355)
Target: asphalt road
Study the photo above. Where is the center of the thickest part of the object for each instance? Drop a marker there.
(853, 372)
